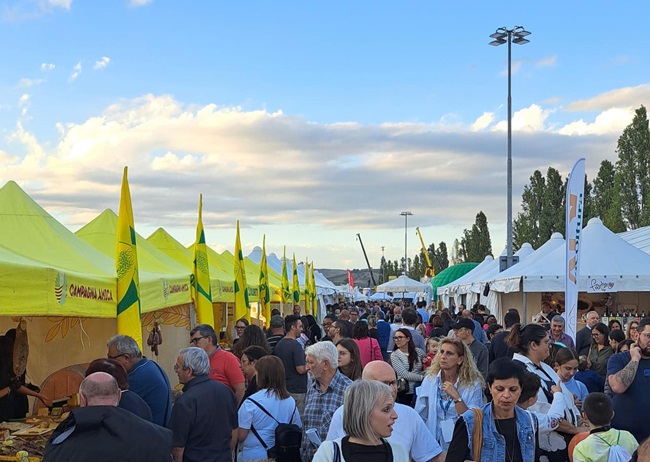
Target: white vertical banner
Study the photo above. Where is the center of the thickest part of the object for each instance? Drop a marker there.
(575, 192)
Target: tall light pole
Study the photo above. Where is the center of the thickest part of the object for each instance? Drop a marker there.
(515, 35)
(406, 217)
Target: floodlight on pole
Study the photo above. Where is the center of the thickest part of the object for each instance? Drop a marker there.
(406, 216)
(501, 36)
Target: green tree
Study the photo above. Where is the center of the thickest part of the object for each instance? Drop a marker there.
(633, 168)
(476, 243)
(543, 212)
(439, 257)
(607, 197)
(456, 256)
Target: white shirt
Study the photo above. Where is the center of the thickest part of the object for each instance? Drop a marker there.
(250, 414)
(409, 430)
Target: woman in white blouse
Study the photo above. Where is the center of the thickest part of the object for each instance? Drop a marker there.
(452, 386)
(406, 359)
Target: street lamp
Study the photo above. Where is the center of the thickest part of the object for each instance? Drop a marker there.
(516, 35)
(406, 217)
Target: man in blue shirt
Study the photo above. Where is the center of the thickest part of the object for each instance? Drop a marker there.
(146, 378)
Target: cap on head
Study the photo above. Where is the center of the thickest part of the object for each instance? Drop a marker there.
(463, 322)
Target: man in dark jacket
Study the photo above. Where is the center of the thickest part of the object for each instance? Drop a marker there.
(204, 418)
(99, 431)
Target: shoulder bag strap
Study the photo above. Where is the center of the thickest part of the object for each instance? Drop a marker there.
(257, 435)
(477, 434)
(263, 410)
(337, 454)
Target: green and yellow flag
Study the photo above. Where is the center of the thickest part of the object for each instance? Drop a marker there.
(307, 295)
(264, 294)
(126, 267)
(201, 291)
(286, 291)
(295, 286)
(314, 298)
(242, 305)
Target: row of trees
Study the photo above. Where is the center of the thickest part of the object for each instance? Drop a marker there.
(619, 195)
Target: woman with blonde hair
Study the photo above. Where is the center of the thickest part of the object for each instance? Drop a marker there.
(452, 386)
(368, 417)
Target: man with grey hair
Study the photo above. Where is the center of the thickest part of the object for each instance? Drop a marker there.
(146, 378)
(100, 431)
(557, 334)
(204, 418)
(325, 391)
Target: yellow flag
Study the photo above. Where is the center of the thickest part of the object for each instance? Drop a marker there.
(307, 295)
(314, 298)
(126, 266)
(295, 286)
(201, 291)
(264, 294)
(286, 291)
(242, 306)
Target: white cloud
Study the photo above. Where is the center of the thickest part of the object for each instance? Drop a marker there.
(532, 118)
(620, 97)
(138, 3)
(102, 63)
(483, 121)
(611, 121)
(76, 71)
(26, 83)
(23, 104)
(46, 67)
(548, 61)
(65, 4)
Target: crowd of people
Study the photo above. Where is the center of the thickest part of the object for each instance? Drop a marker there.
(386, 382)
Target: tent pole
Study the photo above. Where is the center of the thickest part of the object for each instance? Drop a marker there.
(525, 308)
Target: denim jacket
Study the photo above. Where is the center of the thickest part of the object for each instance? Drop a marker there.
(494, 444)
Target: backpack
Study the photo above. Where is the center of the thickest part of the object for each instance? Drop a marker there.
(288, 438)
(617, 453)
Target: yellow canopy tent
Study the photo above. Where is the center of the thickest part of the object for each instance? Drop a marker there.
(63, 287)
(164, 282)
(222, 282)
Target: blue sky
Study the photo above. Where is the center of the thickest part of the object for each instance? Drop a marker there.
(308, 121)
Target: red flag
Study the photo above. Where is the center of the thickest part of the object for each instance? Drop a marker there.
(350, 282)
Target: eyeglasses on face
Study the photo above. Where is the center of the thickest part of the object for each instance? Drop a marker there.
(401, 337)
(117, 356)
(326, 324)
(195, 340)
(240, 327)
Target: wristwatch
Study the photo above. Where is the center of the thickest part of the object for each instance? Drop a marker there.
(459, 400)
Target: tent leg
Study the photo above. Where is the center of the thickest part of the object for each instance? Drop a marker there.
(524, 309)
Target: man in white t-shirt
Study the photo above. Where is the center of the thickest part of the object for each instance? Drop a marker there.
(409, 429)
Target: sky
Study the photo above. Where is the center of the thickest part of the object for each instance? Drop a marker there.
(310, 122)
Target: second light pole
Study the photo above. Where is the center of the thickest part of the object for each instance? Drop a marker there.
(515, 35)
(406, 217)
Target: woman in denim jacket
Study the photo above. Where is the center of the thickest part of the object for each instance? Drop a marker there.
(508, 432)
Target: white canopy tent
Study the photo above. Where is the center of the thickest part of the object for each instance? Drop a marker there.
(404, 284)
(449, 289)
(510, 280)
(608, 263)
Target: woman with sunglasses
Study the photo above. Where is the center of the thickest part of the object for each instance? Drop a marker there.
(452, 386)
(407, 362)
(600, 351)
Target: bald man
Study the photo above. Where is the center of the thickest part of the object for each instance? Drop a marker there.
(102, 432)
(409, 429)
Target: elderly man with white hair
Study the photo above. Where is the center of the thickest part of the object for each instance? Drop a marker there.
(204, 417)
(409, 429)
(100, 431)
(325, 392)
